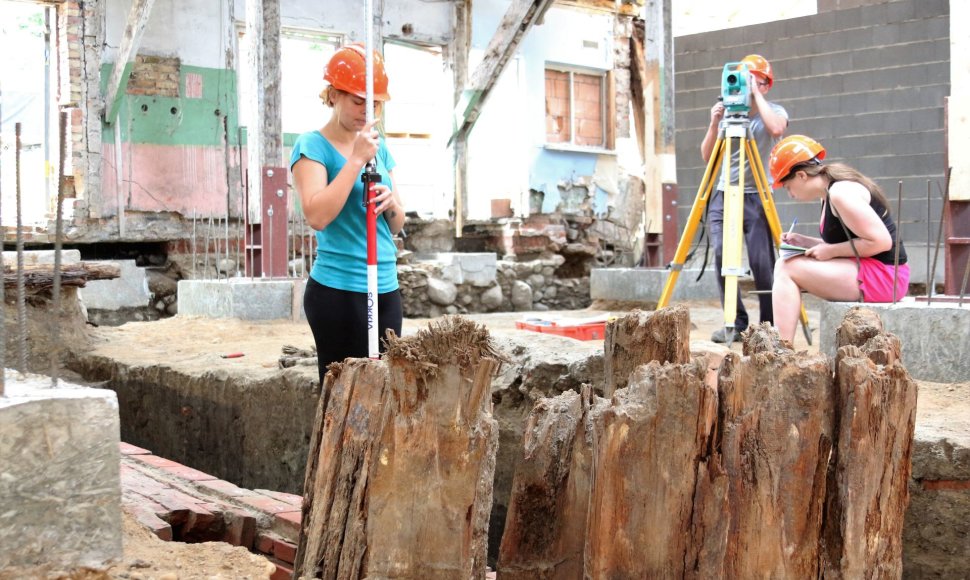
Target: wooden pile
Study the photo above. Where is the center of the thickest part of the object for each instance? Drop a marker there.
(778, 468)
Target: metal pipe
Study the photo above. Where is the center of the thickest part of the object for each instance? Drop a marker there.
(205, 263)
(225, 132)
(3, 318)
(269, 212)
(899, 228)
(58, 241)
(21, 286)
(939, 237)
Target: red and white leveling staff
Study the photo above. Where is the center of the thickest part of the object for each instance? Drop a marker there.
(370, 177)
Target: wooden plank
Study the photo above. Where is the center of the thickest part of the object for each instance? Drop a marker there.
(137, 19)
(41, 276)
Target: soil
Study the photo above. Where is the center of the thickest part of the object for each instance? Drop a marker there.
(148, 558)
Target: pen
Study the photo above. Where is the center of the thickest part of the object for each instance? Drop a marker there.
(792, 228)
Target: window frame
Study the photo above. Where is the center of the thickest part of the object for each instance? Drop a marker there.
(606, 124)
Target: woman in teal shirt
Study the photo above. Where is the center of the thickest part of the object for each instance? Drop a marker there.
(327, 164)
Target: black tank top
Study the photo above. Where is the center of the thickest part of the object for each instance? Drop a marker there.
(833, 233)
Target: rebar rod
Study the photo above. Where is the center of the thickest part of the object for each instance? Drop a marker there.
(58, 242)
(21, 287)
(899, 228)
(205, 248)
(939, 237)
(194, 239)
(963, 284)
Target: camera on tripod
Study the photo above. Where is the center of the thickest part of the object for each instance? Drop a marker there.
(735, 90)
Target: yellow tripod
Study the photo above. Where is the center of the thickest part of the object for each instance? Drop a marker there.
(733, 131)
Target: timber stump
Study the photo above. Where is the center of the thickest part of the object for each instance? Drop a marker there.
(401, 461)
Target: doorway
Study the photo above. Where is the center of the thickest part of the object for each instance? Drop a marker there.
(28, 94)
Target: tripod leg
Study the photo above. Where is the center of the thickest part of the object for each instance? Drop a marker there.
(696, 211)
(733, 236)
(771, 212)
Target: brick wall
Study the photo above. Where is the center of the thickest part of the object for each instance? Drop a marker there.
(867, 81)
(155, 75)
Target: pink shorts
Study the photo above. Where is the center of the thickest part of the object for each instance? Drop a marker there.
(876, 281)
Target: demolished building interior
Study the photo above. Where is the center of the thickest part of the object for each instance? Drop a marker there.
(159, 368)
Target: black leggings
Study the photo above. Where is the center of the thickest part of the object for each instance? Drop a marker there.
(338, 320)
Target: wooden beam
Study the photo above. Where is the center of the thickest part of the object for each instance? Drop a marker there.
(264, 127)
(519, 18)
(462, 41)
(137, 18)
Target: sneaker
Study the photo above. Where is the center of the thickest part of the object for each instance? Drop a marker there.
(720, 335)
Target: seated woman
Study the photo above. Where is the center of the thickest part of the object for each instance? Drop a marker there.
(853, 260)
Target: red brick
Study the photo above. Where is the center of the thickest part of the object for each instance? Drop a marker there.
(284, 550)
(240, 528)
(175, 468)
(223, 487)
(145, 512)
(946, 484)
(282, 572)
(137, 482)
(266, 504)
(154, 460)
(264, 543)
(292, 499)
(187, 473)
(290, 521)
(129, 449)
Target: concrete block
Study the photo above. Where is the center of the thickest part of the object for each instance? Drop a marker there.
(130, 290)
(934, 338)
(646, 285)
(240, 298)
(477, 269)
(34, 257)
(60, 488)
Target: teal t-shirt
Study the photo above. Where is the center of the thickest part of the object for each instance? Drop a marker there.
(341, 260)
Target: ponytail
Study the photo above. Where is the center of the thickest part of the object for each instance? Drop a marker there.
(842, 172)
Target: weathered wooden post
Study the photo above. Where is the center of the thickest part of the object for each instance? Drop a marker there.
(399, 475)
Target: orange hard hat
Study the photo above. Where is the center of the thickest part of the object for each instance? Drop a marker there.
(760, 66)
(347, 71)
(792, 151)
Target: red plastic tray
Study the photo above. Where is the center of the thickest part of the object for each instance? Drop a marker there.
(591, 331)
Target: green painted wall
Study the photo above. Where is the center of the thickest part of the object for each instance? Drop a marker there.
(158, 120)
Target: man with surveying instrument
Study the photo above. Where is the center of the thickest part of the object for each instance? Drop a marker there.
(766, 123)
